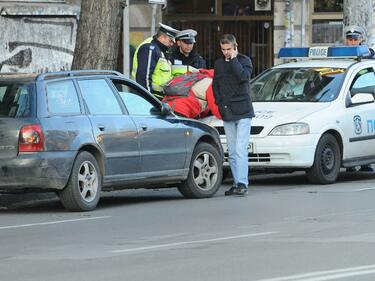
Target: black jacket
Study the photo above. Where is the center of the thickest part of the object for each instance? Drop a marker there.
(231, 87)
(194, 59)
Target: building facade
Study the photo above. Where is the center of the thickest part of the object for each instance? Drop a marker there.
(39, 35)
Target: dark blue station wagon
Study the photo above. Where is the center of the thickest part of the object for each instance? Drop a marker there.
(81, 132)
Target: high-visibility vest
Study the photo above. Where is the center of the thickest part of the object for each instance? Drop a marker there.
(162, 72)
(179, 69)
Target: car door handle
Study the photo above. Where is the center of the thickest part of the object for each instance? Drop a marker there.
(101, 127)
(143, 127)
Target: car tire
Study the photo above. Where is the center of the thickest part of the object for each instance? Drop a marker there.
(82, 192)
(327, 161)
(205, 173)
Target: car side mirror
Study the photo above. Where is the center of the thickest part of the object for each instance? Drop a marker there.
(362, 98)
(165, 109)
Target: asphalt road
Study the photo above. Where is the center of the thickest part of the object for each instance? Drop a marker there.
(285, 229)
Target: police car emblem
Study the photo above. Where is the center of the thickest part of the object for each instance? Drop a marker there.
(357, 124)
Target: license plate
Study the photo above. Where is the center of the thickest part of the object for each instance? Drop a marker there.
(250, 147)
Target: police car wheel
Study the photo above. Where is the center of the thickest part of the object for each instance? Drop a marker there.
(205, 173)
(327, 162)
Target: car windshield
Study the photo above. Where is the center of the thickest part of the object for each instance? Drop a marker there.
(297, 84)
(14, 100)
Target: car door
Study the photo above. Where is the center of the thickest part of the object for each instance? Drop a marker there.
(162, 138)
(115, 132)
(359, 124)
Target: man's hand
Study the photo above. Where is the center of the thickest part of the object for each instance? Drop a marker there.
(234, 53)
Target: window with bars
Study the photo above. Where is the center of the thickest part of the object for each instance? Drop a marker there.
(327, 22)
(328, 6)
(191, 7)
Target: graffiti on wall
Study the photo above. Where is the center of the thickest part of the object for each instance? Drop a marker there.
(20, 59)
(37, 44)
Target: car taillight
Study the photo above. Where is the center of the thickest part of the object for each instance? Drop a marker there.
(31, 139)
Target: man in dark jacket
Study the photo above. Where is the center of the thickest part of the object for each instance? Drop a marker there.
(184, 53)
(231, 87)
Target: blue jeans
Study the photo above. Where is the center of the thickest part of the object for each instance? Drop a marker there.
(238, 136)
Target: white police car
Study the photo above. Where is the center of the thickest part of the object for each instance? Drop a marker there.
(315, 115)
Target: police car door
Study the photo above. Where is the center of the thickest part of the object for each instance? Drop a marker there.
(359, 139)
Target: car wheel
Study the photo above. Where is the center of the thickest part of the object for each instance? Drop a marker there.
(205, 173)
(327, 162)
(83, 190)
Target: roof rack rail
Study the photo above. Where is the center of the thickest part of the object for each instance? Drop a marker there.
(74, 73)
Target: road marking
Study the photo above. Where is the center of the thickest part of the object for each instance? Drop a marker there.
(327, 274)
(364, 189)
(51, 222)
(170, 245)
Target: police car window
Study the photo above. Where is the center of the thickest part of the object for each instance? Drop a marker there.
(62, 98)
(364, 82)
(136, 102)
(99, 97)
(297, 84)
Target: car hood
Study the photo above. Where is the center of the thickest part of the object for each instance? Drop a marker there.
(271, 114)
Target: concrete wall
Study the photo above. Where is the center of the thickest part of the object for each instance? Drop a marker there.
(40, 37)
(141, 20)
(280, 26)
(37, 37)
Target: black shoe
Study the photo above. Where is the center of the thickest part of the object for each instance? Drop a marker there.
(240, 190)
(366, 168)
(230, 190)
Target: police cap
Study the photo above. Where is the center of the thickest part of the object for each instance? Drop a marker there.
(187, 36)
(354, 32)
(167, 30)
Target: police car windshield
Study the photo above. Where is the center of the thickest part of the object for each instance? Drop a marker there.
(297, 85)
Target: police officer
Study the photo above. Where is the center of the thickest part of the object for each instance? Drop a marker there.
(184, 54)
(354, 36)
(151, 67)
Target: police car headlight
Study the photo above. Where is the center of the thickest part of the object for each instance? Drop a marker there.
(291, 129)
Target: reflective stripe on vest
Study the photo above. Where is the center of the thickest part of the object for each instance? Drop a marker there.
(135, 57)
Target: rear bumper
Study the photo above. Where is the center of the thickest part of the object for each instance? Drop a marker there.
(42, 170)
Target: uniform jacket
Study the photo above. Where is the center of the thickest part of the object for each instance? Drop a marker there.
(148, 56)
(231, 87)
(194, 59)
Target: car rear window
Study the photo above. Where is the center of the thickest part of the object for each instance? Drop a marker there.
(14, 100)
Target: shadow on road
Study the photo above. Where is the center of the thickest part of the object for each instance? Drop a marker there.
(49, 202)
(299, 178)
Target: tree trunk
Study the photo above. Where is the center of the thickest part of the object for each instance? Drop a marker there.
(98, 35)
(359, 12)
